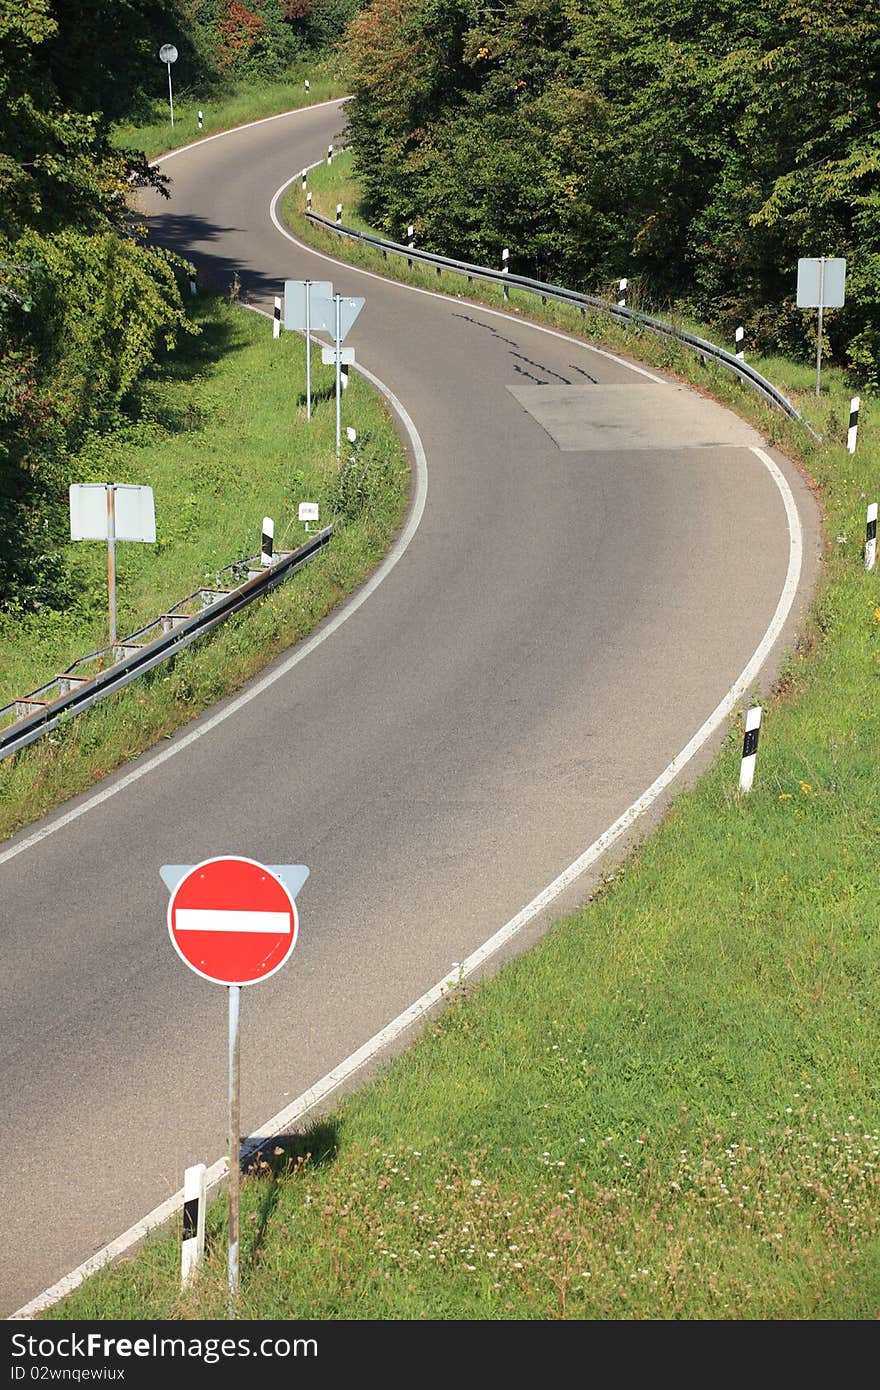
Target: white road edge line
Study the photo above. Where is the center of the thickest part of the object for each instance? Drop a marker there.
(451, 298)
(345, 1070)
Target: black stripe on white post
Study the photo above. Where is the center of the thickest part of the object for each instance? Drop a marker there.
(268, 541)
(329, 154)
(871, 536)
(740, 344)
(305, 174)
(343, 374)
(621, 293)
(410, 239)
(276, 318)
(192, 1246)
(308, 85)
(339, 214)
(750, 749)
(505, 268)
(200, 120)
(853, 431)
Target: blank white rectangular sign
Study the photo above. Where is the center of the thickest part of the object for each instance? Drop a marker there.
(833, 282)
(328, 356)
(321, 312)
(135, 512)
(308, 511)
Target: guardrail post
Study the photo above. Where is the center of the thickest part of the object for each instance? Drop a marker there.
(853, 431)
(750, 749)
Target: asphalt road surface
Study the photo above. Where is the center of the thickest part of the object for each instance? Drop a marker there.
(599, 556)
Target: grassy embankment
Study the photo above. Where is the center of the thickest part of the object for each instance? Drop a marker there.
(228, 105)
(670, 1108)
(221, 436)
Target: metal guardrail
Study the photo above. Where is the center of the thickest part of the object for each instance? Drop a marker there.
(701, 346)
(133, 656)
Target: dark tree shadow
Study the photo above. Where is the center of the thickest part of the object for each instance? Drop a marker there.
(281, 1158)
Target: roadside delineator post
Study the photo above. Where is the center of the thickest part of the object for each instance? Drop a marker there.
(276, 318)
(853, 431)
(410, 239)
(740, 344)
(871, 536)
(308, 85)
(305, 173)
(350, 434)
(505, 268)
(267, 542)
(339, 214)
(329, 154)
(200, 120)
(621, 293)
(192, 1246)
(750, 749)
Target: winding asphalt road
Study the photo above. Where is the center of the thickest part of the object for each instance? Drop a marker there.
(561, 622)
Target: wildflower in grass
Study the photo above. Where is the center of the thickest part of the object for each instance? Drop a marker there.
(805, 788)
(785, 796)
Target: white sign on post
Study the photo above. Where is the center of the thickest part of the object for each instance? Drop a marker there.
(320, 305)
(821, 282)
(348, 312)
(308, 511)
(135, 512)
(346, 356)
(820, 285)
(112, 512)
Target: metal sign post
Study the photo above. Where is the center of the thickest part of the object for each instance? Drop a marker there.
(234, 1143)
(821, 284)
(168, 55)
(308, 349)
(308, 306)
(338, 380)
(111, 557)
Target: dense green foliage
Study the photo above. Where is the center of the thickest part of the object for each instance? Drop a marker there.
(698, 146)
(84, 306)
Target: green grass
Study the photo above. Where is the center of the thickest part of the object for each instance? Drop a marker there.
(229, 105)
(670, 1108)
(221, 436)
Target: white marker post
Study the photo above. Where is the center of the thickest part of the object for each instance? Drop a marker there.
(192, 1246)
(505, 268)
(276, 318)
(200, 120)
(339, 214)
(750, 749)
(168, 55)
(410, 239)
(871, 536)
(308, 85)
(329, 154)
(267, 541)
(621, 293)
(852, 433)
(740, 349)
(305, 175)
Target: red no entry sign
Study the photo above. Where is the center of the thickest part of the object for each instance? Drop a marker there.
(232, 921)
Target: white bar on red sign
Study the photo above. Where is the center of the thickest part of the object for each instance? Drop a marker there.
(220, 919)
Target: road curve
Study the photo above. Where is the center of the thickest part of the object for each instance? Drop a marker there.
(561, 622)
